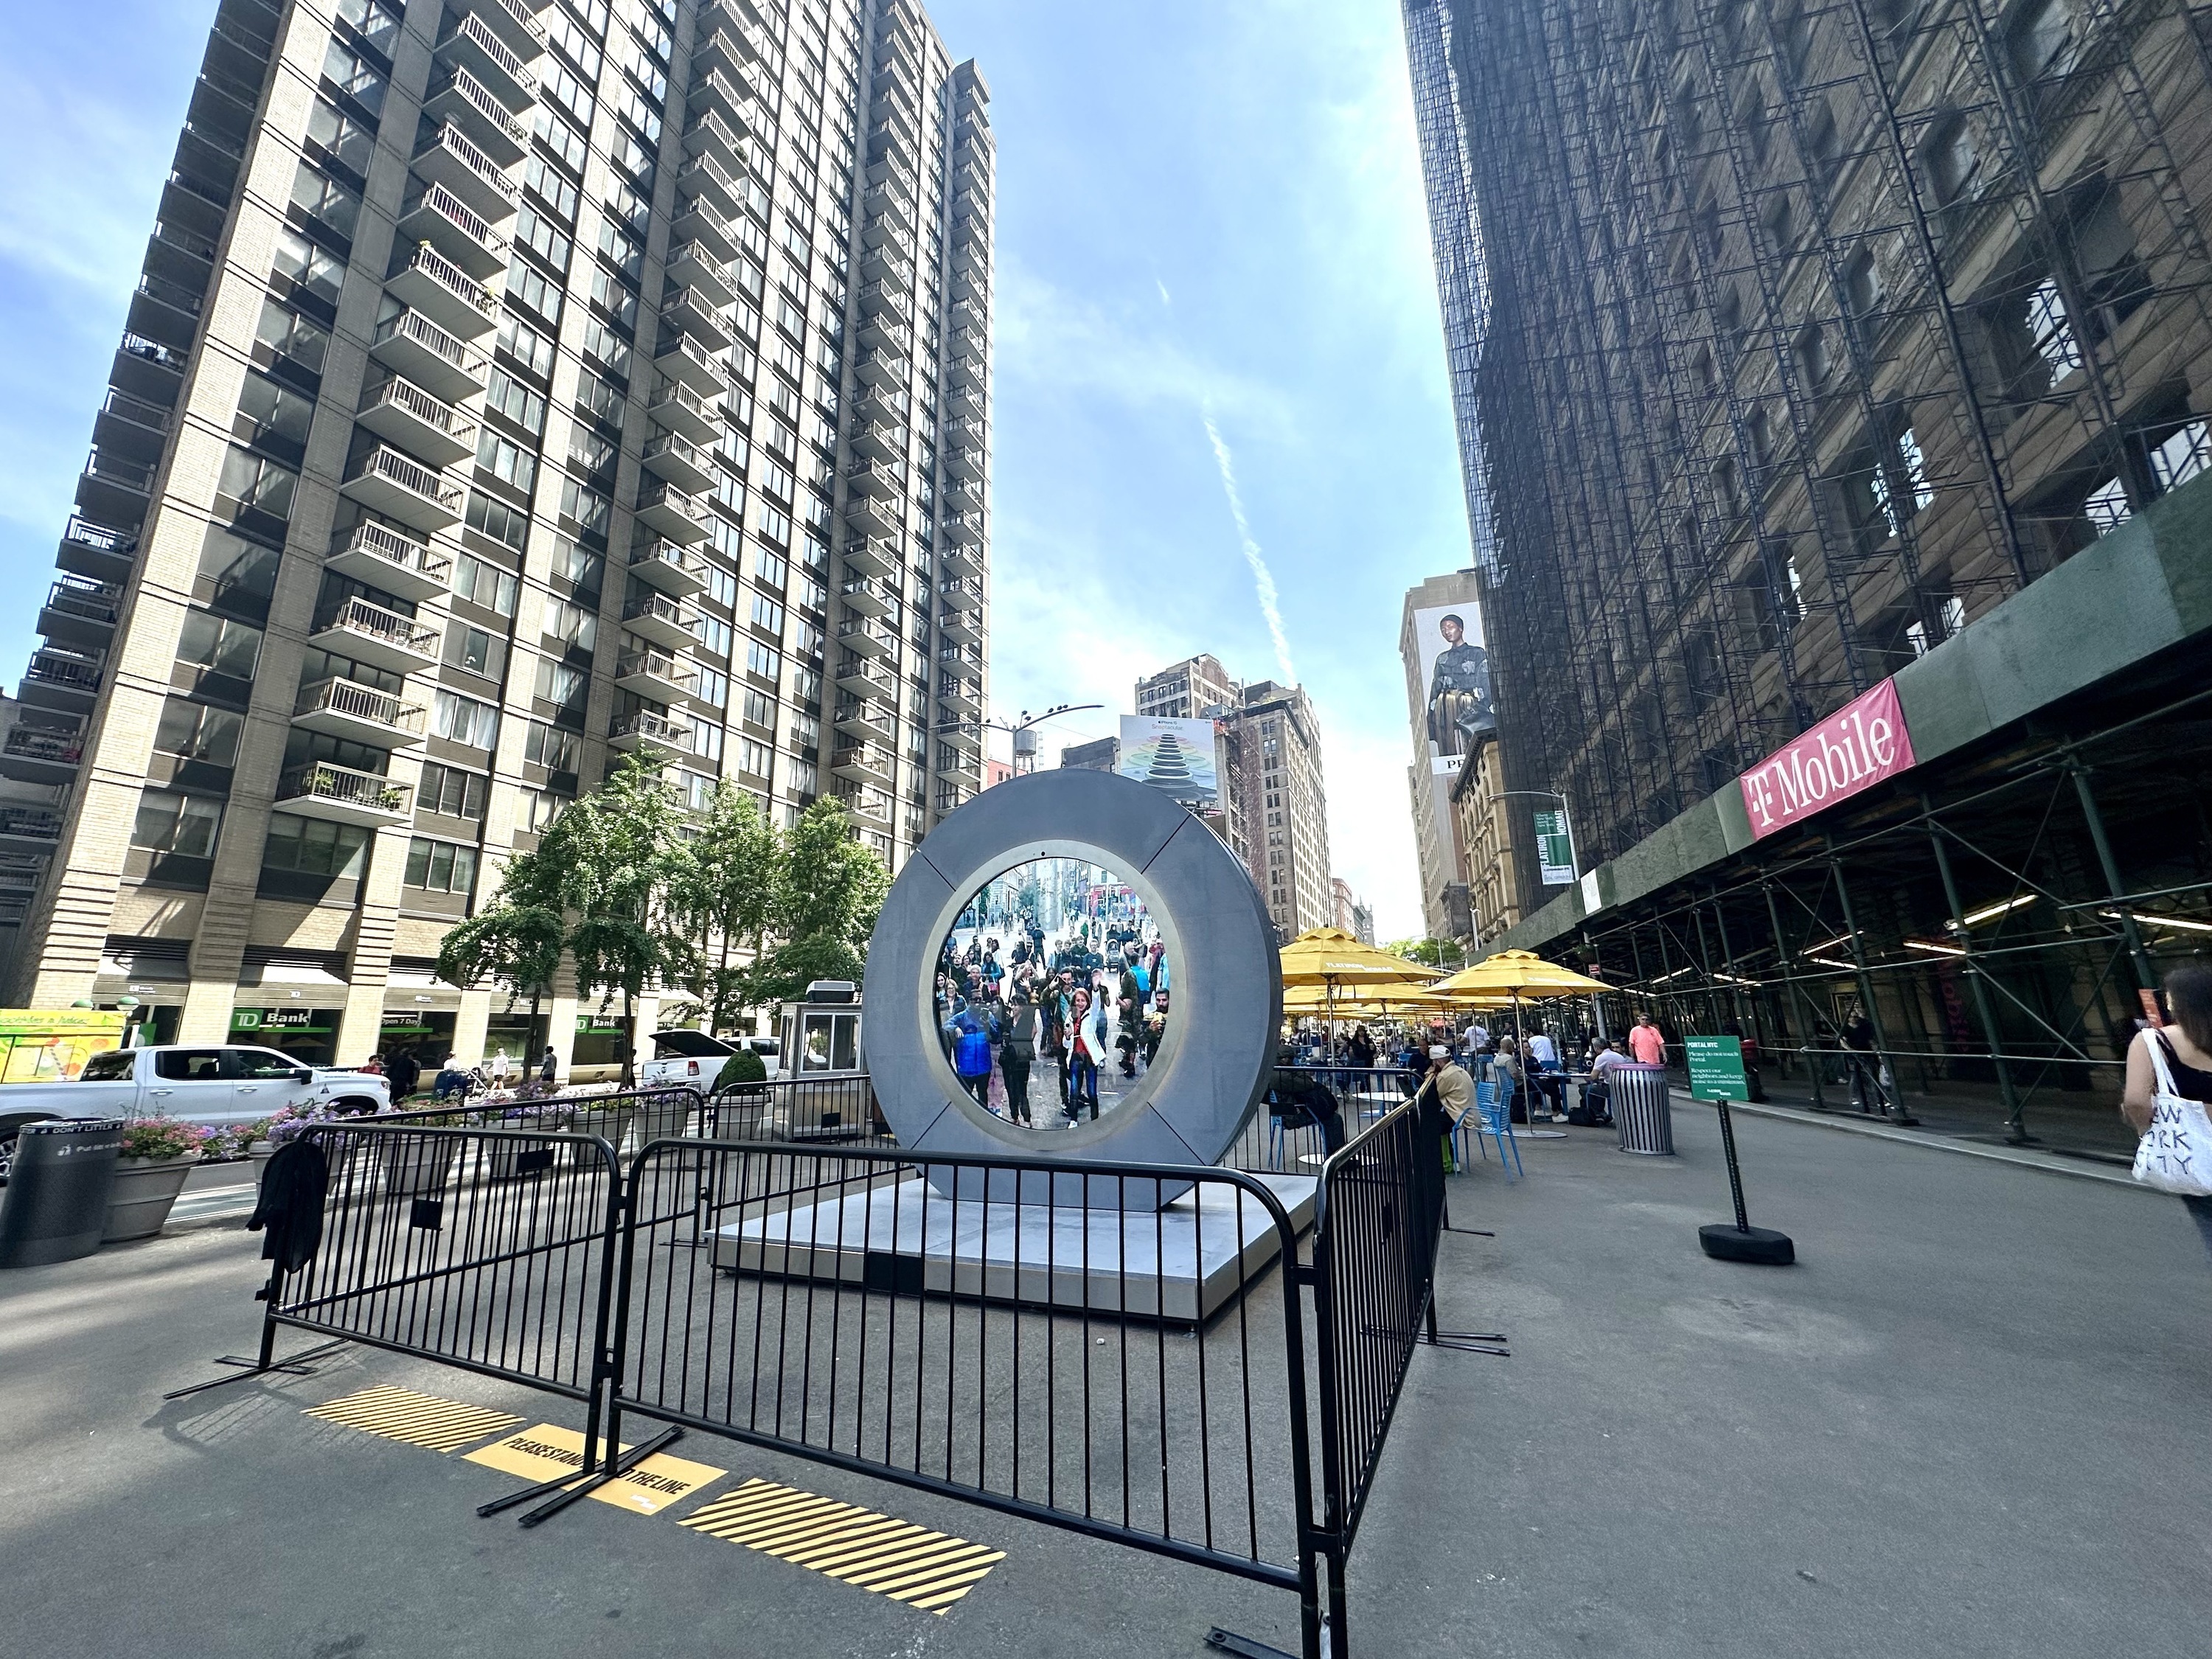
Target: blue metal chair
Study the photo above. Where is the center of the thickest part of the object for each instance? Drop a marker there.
(1492, 1115)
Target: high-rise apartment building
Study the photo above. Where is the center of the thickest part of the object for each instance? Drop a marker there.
(510, 387)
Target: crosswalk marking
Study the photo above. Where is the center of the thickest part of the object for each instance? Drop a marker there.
(926, 1570)
(418, 1420)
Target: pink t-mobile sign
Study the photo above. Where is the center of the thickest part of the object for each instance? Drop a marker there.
(1855, 748)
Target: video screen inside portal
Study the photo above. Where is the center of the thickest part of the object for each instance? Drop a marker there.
(1455, 671)
(1055, 994)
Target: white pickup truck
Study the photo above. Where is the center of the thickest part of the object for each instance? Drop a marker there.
(214, 1084)
(693, 1060)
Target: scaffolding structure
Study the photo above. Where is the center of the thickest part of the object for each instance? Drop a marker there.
(1825, 326)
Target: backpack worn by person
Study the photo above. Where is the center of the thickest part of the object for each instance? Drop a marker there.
(1022, 1044)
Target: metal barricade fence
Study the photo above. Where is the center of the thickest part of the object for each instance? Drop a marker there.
(1281, 1137)
(1376, 1235)
(833, 1106)
(834, 1303)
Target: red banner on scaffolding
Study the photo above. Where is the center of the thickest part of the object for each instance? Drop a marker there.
(1854, 749)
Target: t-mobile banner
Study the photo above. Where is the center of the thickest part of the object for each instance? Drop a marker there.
(1855, 748)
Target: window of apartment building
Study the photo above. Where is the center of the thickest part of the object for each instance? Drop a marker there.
(567, 145)
(335, 136)
(571, 625)
(550, 747)
(307, 267)
(314, 847)
(505, 460)
(170, 822)
(1898, 480)
(374, 21)
(219, 645)
(508, 396)
(353, 75)
(463, 720)
(324, 201)
(1814, 361)
(235, 573)
(585, 507)
(268, 411)
(486, 585)
(525, 344)
(1954, 161)
(2180, 456)
(452, 791)
(537, 808)
(195, 731)
(284, 333)
(475, 650)
(2051, 330)
(565, 685)
(1862, 285)
(763, 662)
(255, 483)
(441, 866)
(756, 760)
(584, 569)
(531, 289)
(501, 521)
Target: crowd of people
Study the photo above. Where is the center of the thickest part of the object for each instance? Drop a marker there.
(1050, 1019)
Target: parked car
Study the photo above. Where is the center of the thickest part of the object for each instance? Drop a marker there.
(682, 1057)
(210, 1084)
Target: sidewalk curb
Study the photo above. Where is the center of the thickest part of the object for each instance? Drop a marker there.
(2048, 1164)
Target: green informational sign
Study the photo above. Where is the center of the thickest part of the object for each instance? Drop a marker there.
(1555, 850)
(1717, 1068)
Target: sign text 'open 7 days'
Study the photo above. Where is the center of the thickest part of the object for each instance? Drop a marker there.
(1716, 1068)
(1854, 749)
(548, 1450)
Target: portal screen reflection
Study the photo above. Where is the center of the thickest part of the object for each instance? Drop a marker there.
(1054, 993)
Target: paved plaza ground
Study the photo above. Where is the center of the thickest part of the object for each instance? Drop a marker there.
(1972, 1422)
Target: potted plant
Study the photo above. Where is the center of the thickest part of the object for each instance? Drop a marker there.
(663, 1115)
(252, 1140)
(545, 1118)
(606, 1116)
(158, 1153)
(417, 1163)
(743, 1073)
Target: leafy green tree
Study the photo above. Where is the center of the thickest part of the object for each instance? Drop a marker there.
(723, 888)
(614, 856)
(832, 890)
(516, 940)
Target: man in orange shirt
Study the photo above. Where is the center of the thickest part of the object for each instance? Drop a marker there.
(1645, 1043)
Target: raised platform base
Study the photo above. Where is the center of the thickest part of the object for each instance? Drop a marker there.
(1182, 1263)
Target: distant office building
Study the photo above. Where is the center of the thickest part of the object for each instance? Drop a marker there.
(1441, 643)
(1284, 805)
(508, 388)
(1490, 898)
(1356, 918)
(1189, 690)
(1102, 756)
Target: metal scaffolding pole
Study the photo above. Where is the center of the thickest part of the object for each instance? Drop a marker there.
(2015, 1130)
(1894, 1110)
(2146, 976)
(1815, 1062)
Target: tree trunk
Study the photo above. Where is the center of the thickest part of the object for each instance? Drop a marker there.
(629, 1040)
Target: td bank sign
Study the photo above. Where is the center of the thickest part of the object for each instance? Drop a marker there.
(1854, 749)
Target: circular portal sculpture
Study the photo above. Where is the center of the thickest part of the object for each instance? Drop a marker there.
(1162, 878)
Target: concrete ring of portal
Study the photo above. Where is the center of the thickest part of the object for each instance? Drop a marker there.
(1213, 1065)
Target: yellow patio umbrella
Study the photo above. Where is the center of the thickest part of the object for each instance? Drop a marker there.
(1331, 959)
(1515, 973)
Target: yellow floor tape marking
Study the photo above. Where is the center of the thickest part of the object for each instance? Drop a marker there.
(418, 1420)
(549, 1450)
(926, 1570)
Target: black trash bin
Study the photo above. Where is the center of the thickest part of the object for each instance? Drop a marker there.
(55, 1207)
(1640, 1108)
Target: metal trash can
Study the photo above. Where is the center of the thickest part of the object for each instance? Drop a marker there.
(1640, 1110)
(55, 1207)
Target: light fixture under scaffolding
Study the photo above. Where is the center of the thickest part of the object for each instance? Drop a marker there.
(1930, 945)
(1990, 912)
(2191, 923)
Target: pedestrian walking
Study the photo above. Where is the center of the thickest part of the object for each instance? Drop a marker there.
(1867, 1093)
(549, 1069)
(405, 1072)
(1645, 1043)
(2168, 1066)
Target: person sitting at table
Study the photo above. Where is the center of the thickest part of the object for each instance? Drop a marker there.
(1505, 1067)
(1303, 1100)
(1447, 1092)
(1546, 1073)
(1597, 1093)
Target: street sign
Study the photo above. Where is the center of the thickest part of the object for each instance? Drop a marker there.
(1717, 1068)
(1555, 850)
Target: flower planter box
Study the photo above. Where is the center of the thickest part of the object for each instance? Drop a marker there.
(612, 1127)
(145, 1188)
(663, 1123)
(415, 1165)
(503, 1159)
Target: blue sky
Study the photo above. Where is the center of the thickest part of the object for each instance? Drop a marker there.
(1204, 213)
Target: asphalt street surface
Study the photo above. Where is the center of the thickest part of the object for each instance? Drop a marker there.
(1971, 1422)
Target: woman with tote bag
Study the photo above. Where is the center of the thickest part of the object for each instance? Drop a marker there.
(2169, 1081)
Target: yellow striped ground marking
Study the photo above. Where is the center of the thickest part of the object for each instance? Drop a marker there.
(926, 1570)
(419, 1419)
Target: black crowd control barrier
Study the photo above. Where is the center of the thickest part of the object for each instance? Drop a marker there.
(828, 1300)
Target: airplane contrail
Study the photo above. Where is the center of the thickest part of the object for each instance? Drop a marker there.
(1263, 580)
